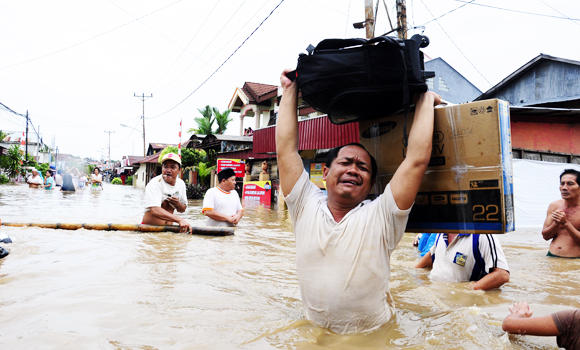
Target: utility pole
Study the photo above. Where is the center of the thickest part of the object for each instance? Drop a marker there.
(109, 132)
(143, 97)
(401, 19)
(369, 19)
(26, 147)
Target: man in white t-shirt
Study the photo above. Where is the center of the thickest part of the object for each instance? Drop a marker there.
(343, 241)
(166, 193)
(221, 204)
(478, 258)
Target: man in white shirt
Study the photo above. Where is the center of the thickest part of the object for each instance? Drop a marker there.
(166, 193)
(221, 204)
(478, 258)
(343, 241)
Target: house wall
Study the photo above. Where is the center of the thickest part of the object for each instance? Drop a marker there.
(448, 83)
(546, 137)
(139, 179)
(547, 82)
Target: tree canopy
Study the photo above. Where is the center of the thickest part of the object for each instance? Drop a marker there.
(209, 116)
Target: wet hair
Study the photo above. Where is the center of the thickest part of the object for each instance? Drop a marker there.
(333, 153)
(226, 174)
(570, 172)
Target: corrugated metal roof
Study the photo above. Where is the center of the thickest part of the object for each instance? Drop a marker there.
(313, 133)
(245, 154)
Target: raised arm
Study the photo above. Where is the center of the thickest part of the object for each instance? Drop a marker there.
(407, 179)
(289, 162)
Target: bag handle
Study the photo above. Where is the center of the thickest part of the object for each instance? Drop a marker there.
(385, 39)
(330, 44)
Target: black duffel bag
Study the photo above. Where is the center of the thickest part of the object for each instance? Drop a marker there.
(353, 79)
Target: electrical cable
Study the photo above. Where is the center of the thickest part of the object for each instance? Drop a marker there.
(221, 65)
(520, 11)
(454, 44)
(445, 14)
(563, 14)
(79, 43)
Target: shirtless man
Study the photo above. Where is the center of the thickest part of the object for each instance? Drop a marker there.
(562, 223)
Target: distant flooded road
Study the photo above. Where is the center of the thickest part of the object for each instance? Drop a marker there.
(127, 290)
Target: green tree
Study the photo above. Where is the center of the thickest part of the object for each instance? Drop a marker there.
(43, 168)
(168, 149)
(2, 135)
(203, 171)
(11, 161)
(191, 157)
(221, 120)
(205, 123)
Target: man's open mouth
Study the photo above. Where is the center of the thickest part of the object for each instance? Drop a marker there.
(351, 182)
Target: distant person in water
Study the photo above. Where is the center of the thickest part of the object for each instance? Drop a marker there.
(82, 181)
(96, 179)
(165, 194)
(34, 180)
(58, 178)
(67, 183)
(221, 204)
(48, 181)
(562, 224)
(565, 325)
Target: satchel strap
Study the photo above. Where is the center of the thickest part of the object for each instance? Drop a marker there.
(333, 44)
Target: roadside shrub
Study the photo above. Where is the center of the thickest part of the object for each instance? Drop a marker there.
(195, 191)
(117, 181)
(4, 179)
(129, 180)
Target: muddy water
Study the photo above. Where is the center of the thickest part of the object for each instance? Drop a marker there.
(124, 290)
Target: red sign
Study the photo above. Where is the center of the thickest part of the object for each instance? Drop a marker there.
(257, 192)
(238, 165)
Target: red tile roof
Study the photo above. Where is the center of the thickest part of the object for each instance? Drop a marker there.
(257, 92)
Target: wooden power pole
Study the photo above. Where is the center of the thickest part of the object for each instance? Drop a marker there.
(369, 19)
(401, 19)
(143, 97)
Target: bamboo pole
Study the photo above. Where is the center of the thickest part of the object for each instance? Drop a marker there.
(206, 231)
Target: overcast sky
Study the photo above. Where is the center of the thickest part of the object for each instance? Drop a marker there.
(75, 65)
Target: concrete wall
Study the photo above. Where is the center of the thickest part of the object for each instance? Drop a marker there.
(546, 137)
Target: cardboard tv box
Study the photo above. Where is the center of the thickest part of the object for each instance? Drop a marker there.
(468, 186)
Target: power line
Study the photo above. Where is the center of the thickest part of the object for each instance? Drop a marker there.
(79, 43)
(28, 120)
(519, 11)
(446, 13)
(456, 46)
(221, 65)
(568, 18)
(10, 110)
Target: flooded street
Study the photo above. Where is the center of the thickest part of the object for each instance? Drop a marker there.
(127, 290)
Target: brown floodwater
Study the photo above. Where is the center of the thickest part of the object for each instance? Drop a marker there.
(127, 290)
